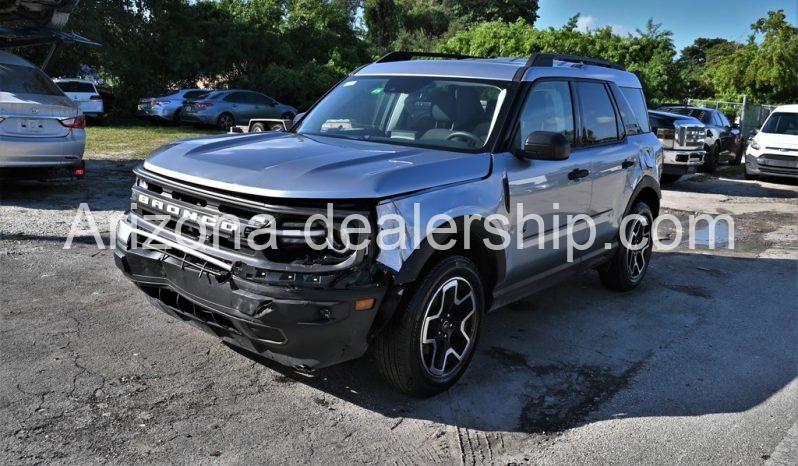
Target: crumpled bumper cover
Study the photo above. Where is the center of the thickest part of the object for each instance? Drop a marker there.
(297, 327)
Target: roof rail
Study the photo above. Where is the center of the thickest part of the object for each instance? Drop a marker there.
(547, 59)
(405, 55)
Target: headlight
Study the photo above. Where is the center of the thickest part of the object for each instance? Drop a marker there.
(754, 145)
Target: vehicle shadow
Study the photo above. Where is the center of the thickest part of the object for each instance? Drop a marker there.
(765, 187)
(577, 353)
(106, 186)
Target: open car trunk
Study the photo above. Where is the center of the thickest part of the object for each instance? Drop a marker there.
(51, 14)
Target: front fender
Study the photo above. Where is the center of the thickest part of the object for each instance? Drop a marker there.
(424, 216)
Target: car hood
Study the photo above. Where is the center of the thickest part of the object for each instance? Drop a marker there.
(782, 141)
(289, 165)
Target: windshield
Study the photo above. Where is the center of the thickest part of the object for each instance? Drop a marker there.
(697, 113)
(19, 79)
(423, 111)
(782, 123)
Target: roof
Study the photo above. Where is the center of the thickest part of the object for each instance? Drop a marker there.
(791, 108)
(498, 69)
(672, 115)
(690, 107)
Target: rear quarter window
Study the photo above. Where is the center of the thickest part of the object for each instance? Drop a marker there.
(18, 79)
(637, 101)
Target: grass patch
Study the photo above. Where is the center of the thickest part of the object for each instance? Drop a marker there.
(132, 140)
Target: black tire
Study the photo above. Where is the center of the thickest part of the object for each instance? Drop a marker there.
(618, 274)
(177, 118)
(738, 156)
(404, 350)
(258, 128)
(710, 160)
(668, 179)
(225, 121)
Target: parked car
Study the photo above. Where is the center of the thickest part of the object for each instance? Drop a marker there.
(227, 108)
(168, 107)
(400, 141)
(773, 151)
(682, 139)
(723, 140)
(41, 129)
(84, 93)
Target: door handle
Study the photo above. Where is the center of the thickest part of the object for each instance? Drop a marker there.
(578, 173)
(627, 163)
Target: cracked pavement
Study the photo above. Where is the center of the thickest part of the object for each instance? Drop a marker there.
(697, 365)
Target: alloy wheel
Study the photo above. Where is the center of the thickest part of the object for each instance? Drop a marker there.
(637, 256)
(449, 328)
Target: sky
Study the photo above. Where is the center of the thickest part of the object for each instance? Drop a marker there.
(688, 19)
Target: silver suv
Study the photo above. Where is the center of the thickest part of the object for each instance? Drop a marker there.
(412, 200)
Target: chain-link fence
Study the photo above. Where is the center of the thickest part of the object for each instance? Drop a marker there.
(749, 115)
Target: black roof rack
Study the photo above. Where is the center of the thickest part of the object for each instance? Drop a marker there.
(547, 59)
(405, 55)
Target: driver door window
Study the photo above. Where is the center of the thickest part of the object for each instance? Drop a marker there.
(548, 107)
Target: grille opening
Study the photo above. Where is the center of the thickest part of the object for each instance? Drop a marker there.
(219, 322)
(189, 199)
(237, 211)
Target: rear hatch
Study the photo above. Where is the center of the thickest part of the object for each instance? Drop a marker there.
(31, 105)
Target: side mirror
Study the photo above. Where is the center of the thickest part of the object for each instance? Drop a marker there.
(546, 145)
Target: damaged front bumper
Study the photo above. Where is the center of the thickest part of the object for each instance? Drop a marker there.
(300, 322)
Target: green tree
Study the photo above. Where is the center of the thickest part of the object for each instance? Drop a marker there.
(766, 71)
(496, 10)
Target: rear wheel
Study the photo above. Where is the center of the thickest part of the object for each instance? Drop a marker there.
(225, 121)
(711, 159)
(428, 347)
(258, 128)
(630, 262)
(668, 179)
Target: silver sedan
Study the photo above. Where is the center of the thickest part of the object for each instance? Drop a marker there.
(41, 130)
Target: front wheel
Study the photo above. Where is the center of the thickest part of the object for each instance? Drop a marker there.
(711, 159)
(429, 345)
(630, 262)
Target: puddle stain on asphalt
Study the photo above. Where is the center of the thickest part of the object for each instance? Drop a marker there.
(561, 396)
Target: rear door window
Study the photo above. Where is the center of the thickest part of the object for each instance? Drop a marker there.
(237, 97)
(637, 101)
(599, 123)
(19, 79)
(629, 126)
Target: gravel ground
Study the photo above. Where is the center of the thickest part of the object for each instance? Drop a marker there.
(696, 366)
